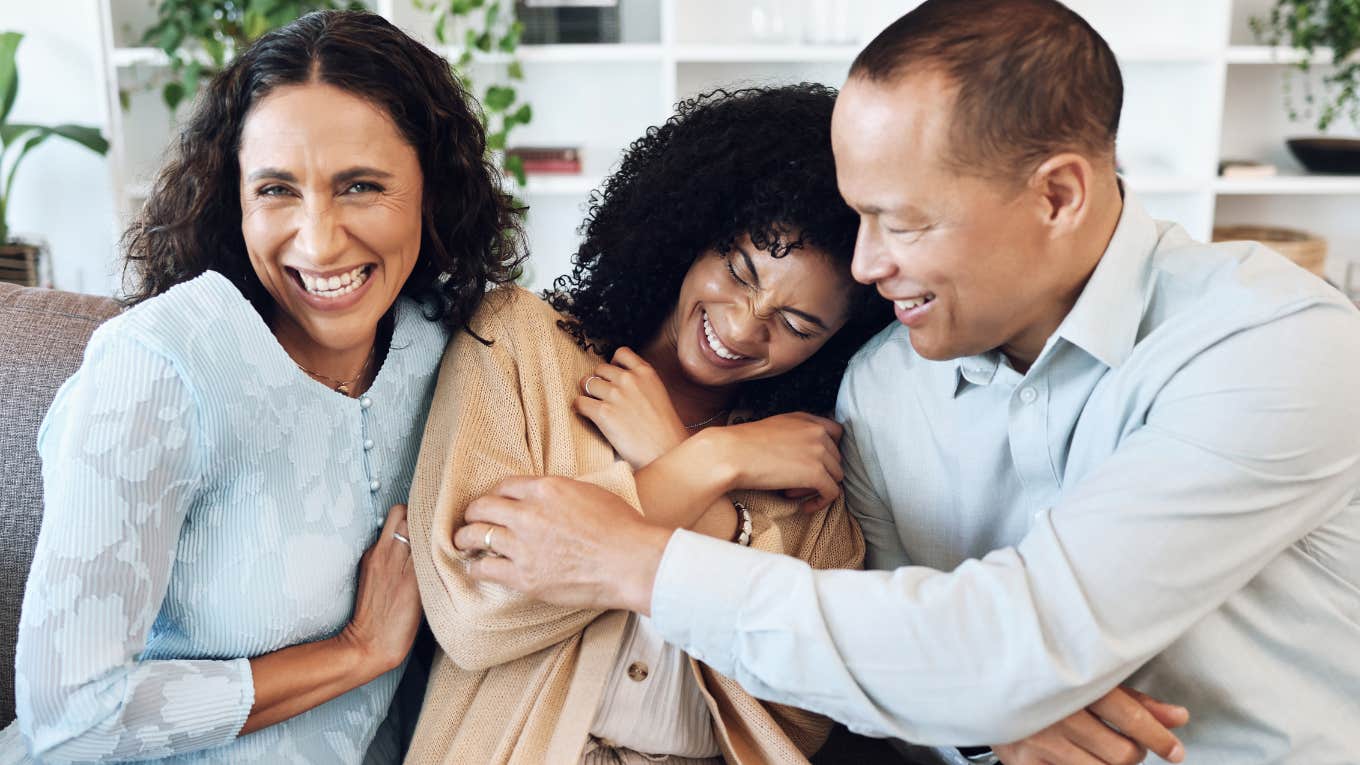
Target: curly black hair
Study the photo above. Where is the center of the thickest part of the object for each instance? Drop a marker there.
(472, 230)
(754, 161)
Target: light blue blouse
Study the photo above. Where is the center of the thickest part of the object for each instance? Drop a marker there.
(206, 502)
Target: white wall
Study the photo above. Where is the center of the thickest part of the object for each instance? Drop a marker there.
(63, 192)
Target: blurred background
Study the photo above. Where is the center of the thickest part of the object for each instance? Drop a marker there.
(1215, 92)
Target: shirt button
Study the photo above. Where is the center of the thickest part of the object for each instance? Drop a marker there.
(1028, 395)
(637, 671)
(374, 485)
(368, 444)
(365, 402)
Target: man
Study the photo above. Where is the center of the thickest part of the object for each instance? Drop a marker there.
(1095, 451)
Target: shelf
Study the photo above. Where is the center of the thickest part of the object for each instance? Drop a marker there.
(1159, 54)
(756, 53)
(556, 54)
(1289, 184)
(1165, 184)
(562, 185)
(1266, 54)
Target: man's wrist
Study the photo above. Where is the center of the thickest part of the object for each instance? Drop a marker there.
(640, 559)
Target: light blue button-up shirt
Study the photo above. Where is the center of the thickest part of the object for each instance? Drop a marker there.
(1164, 498)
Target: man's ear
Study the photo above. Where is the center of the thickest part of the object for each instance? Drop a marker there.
(1062, 186)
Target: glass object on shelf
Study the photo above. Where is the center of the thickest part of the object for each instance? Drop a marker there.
(774, 21)
(828, 22)
(551, 22)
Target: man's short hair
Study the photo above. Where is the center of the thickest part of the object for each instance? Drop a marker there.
(1033, 80)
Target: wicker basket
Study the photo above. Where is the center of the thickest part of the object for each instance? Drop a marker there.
(19, 264)
(1307, 250)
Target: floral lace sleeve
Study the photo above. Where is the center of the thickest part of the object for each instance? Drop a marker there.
(120, 467)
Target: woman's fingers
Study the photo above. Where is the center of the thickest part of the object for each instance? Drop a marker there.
(627, 358)
(1123, 712)
(596, 387)
(1105, 743)
(1170, 715)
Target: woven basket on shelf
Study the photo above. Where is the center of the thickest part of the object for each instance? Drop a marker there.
(1307, 250)
(19, 264)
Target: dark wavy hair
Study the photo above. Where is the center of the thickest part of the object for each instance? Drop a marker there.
(754, 161)
(471, 235)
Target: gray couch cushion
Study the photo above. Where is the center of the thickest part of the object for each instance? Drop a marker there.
(42, 338)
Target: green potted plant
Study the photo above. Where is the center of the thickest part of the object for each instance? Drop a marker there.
(483, 27)
(1310, 26)
(19, 260)
(200, 35)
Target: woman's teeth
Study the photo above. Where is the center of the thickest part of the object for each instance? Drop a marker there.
(716, 344)
(916, 302)
(335, 286)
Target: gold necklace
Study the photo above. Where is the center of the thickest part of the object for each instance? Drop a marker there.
(705, 422)
(342, 386)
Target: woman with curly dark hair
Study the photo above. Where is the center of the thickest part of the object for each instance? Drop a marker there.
(712, 288)
(219, 577)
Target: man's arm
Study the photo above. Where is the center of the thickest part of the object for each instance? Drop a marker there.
(863, 494)
(1253, 442)
(1242, 455)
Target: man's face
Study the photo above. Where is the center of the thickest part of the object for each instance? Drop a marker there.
(963, 258)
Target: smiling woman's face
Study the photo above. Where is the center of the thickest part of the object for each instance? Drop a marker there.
(330, 213)
(748, 315)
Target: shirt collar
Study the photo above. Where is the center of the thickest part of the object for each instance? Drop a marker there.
(1105, 319)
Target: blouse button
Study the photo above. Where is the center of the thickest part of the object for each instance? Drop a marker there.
(365, 402)
(368, 444)
(374, 485)
(637, 671)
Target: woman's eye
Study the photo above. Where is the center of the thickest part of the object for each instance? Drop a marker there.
(362, 187)
(800, 334)
(735, 277)
(273, 191)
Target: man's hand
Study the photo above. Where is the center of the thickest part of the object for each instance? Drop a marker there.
(1120, 728)
(563, 542)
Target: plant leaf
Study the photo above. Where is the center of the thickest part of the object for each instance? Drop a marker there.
(173, 93)
(499, 98)
(9, 72)
(86, 136)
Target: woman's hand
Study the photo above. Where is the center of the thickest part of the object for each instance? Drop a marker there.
(628, 403)
(1120, 728)
(387, 609)
(786, 452)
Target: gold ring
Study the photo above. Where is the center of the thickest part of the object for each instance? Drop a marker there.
(486, 540)
(587, 385)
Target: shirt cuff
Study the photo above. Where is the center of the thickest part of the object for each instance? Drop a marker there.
(698, 595)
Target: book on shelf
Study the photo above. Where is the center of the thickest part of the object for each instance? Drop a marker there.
(1246, 168)
(556, 160)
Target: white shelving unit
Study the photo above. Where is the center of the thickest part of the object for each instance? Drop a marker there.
(1198, 88)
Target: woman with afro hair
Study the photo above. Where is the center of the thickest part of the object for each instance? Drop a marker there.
(683, 365)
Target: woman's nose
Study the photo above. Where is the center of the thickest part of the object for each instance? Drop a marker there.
(321, 237)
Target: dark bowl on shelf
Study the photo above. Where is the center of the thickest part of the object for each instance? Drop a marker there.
(1327, 155)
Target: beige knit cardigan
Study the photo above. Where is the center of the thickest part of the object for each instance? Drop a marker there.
(517, 681)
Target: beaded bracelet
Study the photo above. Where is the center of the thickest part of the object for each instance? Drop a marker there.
(743, 535)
